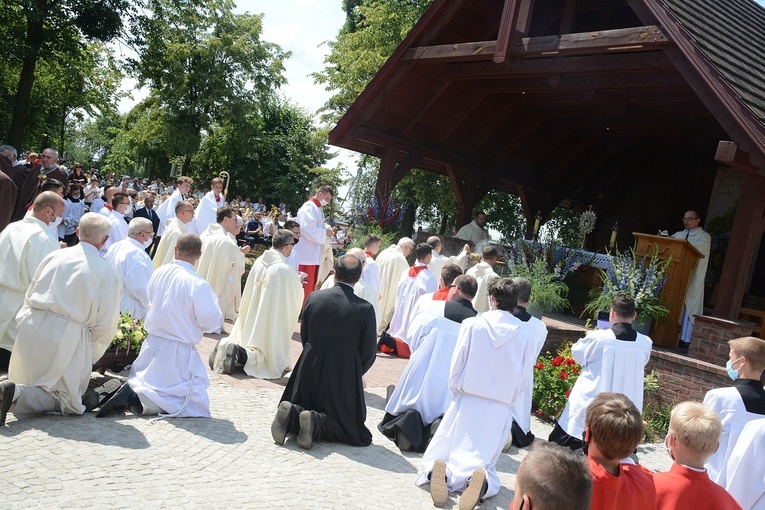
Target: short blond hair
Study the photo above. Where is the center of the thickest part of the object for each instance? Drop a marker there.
(615, 424)
(752, 348)
(697, 427)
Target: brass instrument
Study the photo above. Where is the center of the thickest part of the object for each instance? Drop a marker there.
(226, 179)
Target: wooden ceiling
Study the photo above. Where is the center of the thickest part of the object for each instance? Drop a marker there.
(581, 96)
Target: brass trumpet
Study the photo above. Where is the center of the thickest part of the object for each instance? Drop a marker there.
(226, 178)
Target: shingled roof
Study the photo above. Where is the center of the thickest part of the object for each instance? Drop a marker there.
(731, 34)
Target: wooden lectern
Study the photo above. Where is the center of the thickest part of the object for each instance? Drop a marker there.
(666, 332)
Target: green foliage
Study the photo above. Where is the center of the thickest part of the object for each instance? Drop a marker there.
(204, 65)
(563, 226)
(504, 213)
(554, 377)
(639, 277)
(547, 292)
(373, 30)
(656, 411)
(130, 334)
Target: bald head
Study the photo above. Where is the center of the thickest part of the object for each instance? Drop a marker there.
(435, 242)
(47, 206)
(359, 254)
(109, 194)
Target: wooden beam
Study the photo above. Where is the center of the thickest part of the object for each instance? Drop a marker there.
(468, 107)
(425, 104)
(729, 154)
(606, 41)
(494, 124)
(520, 137)
(459, 52)
(391, 172)
(506, 36)
(744, 238)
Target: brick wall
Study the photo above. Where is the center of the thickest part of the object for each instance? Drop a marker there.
(709, 340)
(684, 378)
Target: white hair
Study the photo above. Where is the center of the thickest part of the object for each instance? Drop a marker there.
(94, 228)
(138, 225)
(404, 241)
(359, 254)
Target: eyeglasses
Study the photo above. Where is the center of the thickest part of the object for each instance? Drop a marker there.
(689, 219)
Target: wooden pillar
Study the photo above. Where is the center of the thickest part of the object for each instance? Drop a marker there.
(465, 188)
(391, 172)
(745, 235)
(533, 203)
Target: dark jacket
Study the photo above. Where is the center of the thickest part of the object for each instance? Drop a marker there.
(459, 309)
(143, 212)
(338, 332)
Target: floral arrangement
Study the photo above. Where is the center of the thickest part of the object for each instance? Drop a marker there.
(560, 260)
(380, 211)
(130, 335)
(639, 277)
(554, 377)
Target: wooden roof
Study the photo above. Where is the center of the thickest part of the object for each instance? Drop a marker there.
(567, 98)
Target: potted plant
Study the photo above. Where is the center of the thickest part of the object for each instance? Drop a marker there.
(554, 377)
(125, 346)
(639, 277)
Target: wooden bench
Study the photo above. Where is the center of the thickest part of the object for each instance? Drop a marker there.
(753, 310)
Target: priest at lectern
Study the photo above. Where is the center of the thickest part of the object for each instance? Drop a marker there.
(694, 296)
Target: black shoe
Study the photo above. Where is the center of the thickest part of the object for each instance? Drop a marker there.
(402, 442)
(99, 395)
(7, 390)
(282, 421)
(235, 358)
(305, 436)
(119, 402)
(389, 392)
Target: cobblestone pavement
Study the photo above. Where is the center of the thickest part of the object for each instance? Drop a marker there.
(228, 460)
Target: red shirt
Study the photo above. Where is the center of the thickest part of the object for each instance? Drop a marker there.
(681, 487)
(632, 489)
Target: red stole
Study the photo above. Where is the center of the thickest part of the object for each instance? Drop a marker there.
(441, 294)
(369, 254)
(316, 202)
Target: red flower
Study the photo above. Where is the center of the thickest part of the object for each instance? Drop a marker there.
(557, 361)
(575, 370)
(539, 413)
(568, 392)
(540, 366)
(569, 362)
(563, 375)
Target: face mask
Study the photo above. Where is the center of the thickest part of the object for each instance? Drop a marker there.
(733, 374)
(75, 196)
(666, 447)
(323, 202)
(147, 242)
(56, 222)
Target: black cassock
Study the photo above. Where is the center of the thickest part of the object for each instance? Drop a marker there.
(338, 332)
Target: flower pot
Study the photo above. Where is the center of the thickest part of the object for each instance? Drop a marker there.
(643, 326)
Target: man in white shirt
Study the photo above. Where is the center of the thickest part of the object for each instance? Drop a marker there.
(484, 273)
(313, 232)
(393, 264)
(120, 204)
(184, 215)
(60, 332)
(169, 378)
(23, 245)
(475, 231)
(133, 267)
(371, 270)
(694, 296)
(613, 360)
(167, 209)
(206, 211)
(439, 261)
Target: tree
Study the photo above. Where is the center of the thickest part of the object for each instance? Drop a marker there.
(203, 63)
(53, 29)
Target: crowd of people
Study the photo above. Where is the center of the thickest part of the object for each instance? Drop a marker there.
(157, 252)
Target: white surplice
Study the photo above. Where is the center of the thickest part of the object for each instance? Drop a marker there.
(746, 469)
(486, 377)
(472, 232)
(483, 274)
(727, 403)
(23, 245)
(522, 408)
(694, 296)
(313, 234)
(438, 261)
(222, 265)
(424, 383)
(206, 212)
(118, 233)
(134, 269)
(608, 365)
(166, 211)
(409, 289)
(371, 274)
(165, 253)
(169, 371)
(67, 322)
(271, 304)
(393, 265)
